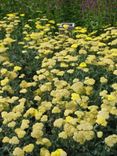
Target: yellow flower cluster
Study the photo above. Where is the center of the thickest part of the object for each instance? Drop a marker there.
(69, 94)
(111, 140)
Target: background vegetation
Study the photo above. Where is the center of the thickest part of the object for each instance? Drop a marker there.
(91, 13)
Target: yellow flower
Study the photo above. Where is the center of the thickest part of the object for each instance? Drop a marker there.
(56, 153)
(4, 81)
(64, 65)
(70, 71)
(74, 46)
(65, 26)
(24, 84)
(85, 126)
(99, 134)
(103, 80)
(115, 72)
(69, 119)
(22, 76)
(2, 48)
(111, 140)
(89, 90)
(89, 135)
(78, 28)
(18, 152)
(82, 51)
(36, 35)
(11, 15)
(23, 91)
(17, 68)
(44, 118)
(52, 21)
(20, 133)
(114, 86)
(60, 73)
(83, 65)
(111, 97)
(12, 75)
(79, 137)
(44, 152)
(37, 98)
(88, 38)
(56, 110)
(28, 148)
(25, 124)
(5, 140)
(38, 26)
(83, 30)
(3, 71)
(89, 81)
(103, 93)
(114, 111)
(67, 112)
(14, 140)
(78, 87)
(59, 152)
(101, 121)
(38, 114)
(37, 131)
(75, 97)
(22, 15)
(8, 40)
(12, 124)
(46, 142)
(30, 111)
(63, 135)
(58, 122)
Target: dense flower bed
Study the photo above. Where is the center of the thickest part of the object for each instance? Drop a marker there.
(58, 92)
